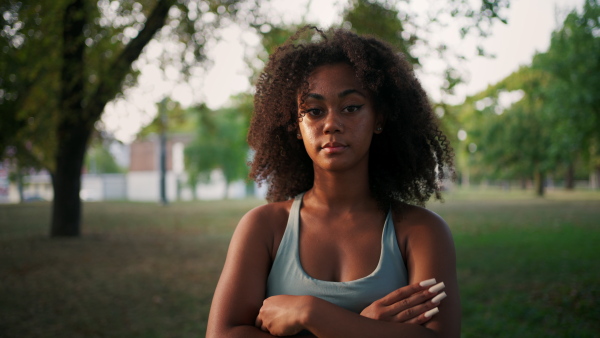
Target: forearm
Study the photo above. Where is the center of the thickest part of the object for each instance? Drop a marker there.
(241, 331)
(328, 320)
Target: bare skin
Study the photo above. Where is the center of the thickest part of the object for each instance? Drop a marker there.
(340, 237)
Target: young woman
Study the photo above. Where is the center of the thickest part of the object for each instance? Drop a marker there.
(346, 140)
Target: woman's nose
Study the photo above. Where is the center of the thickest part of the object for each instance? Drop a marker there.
(333, 123)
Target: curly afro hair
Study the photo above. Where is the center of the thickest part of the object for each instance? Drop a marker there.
(407, 161)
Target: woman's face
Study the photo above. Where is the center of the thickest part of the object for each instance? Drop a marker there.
(337, 118)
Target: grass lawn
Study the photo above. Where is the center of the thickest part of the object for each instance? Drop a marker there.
(527, 267)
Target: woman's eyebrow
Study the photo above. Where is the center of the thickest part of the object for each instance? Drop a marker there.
(350, 91)
(315, 96)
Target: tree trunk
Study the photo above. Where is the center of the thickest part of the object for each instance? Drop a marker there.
(66, 207)
(73, 130)
(595, 178)
(465, 182)
(523, 183)
(76, 116)
(570, 177)
(163, 168)
(20, 186)
(194, 186)
(539, 183)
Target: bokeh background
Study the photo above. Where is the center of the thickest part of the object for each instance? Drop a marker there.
(123, 158)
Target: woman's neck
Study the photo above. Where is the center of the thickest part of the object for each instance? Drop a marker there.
(341, 190)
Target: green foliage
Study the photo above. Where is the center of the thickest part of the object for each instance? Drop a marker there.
(516, 140)
(99, 160)
(271, 36)
(396, 23)
(512, 142)
(67, 59)
(30, 87)
(220, 142)
(175, 119)
(275, 36)
(383, 20)
(200, 156)
(573, 94)
(29, 83)
(555, 124)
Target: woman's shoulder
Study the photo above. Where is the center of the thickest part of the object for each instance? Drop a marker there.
(268, 215)
(265, 224)
(422, 234)
(415, 220)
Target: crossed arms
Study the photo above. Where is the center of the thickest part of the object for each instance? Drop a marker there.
(240, 310)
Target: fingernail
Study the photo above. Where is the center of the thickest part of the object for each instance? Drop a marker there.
(439, 286)
(438, 298)
(431, 312)
(427, 282)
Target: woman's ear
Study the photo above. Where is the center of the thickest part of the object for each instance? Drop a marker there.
(379, 123)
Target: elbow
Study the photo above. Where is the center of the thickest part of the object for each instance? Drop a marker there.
(242, 331)
(219, 332)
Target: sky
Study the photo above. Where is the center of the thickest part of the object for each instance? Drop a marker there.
(530, 24)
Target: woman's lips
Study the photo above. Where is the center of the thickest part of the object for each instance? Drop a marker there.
(332, 148)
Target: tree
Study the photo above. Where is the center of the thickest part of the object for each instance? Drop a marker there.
(26, 128)
(517, 140)
(170, 119)
(573, 94)
(554, 122)
(514, 140)
(200, 156)
(89, 65)
(220, 143)
(382, 20)
(397, 23)
(178, 120)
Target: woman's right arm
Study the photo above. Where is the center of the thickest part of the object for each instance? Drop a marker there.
(241, 289)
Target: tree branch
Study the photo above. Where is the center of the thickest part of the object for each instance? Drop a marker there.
(110, 85)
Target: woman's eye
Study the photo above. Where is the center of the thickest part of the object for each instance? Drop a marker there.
(352, 109)
(314, 112)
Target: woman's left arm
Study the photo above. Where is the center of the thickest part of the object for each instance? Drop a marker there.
(430, 253)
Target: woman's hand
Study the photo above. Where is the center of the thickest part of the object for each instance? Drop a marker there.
(413, 304)
(283, 315)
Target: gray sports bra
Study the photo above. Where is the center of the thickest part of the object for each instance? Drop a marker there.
(287, 277)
